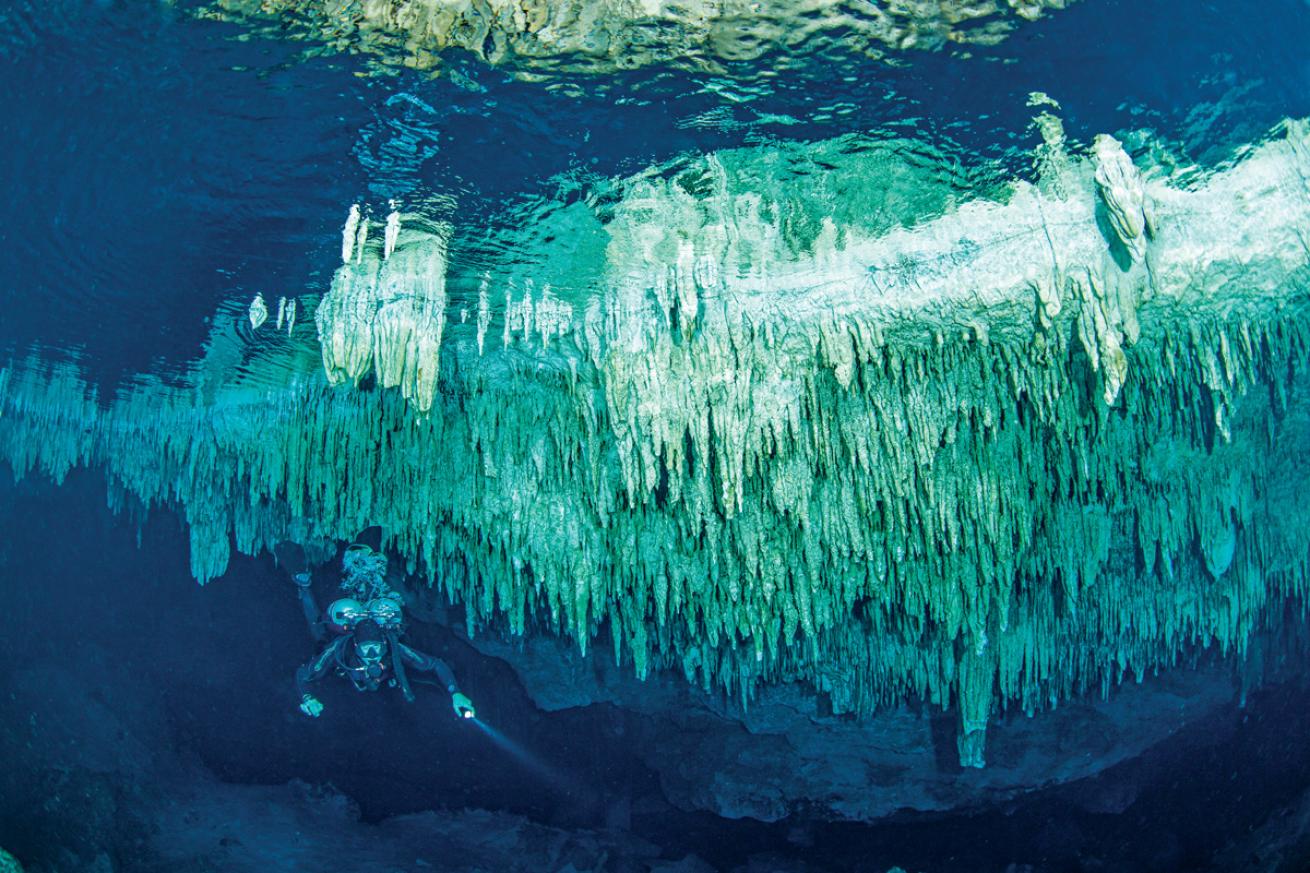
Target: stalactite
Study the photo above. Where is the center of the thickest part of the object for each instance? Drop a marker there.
(348, 234)
(969, 458)
(1119, 185)
(386, 312)
(258, 313)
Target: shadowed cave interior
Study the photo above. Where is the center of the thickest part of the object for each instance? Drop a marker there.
(129, 688)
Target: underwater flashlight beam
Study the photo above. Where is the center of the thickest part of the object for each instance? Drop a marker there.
(522, 755)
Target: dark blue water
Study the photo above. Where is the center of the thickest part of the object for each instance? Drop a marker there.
(157, 165)
(206, 673)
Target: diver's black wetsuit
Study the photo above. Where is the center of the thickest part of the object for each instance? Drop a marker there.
(340, 655)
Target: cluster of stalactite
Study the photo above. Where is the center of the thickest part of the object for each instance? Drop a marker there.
(386, 311)
(1022, 449)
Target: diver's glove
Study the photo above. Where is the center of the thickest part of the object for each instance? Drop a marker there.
(310, 706)
(302, 579)
(463, 706)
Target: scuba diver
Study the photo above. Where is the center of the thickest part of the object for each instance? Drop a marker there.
(367, 627)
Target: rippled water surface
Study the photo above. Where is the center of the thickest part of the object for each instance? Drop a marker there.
(160, 166)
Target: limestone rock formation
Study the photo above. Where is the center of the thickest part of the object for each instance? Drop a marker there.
(541, 37)
(786, 752)
(258, 313)
(386, 311)
(1120, 185)
(890, 430)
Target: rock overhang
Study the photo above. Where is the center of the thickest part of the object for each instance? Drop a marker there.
(1000, 453)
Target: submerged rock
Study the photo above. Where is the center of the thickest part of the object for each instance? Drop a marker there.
(898, 435)
(611, 36)
(787, 754)
(256, 828)
(386, 312)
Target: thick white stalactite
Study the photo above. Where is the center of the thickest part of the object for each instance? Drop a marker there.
(348, 234)
(386, 312)
(258, 312)
(1120, 186)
